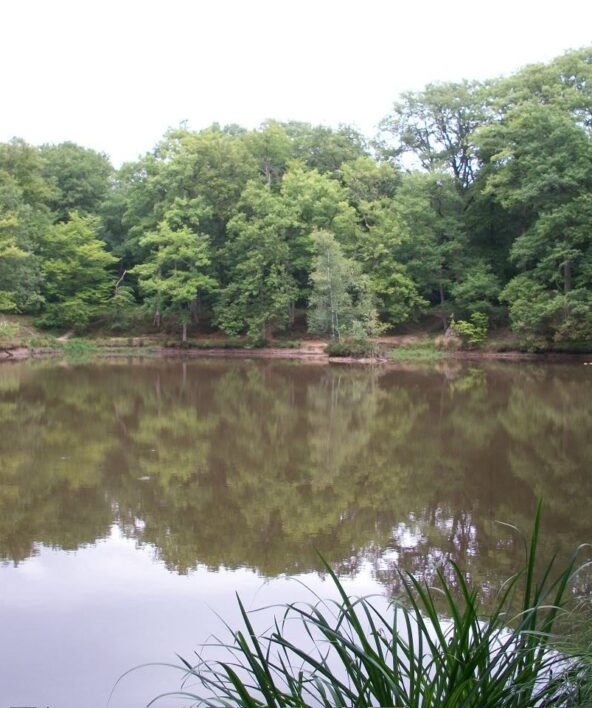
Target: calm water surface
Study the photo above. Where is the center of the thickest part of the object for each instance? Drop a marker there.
(136, 499)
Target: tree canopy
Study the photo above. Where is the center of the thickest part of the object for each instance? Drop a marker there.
(473, 198)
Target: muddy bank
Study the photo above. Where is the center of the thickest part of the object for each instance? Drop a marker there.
(310, 354)
(14, 354)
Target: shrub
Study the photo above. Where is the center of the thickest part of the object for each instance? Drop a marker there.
(355, 348)
(473, 332)
(78, 348)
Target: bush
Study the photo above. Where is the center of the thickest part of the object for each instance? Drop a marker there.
(78, 348)
(354, 348)
(74, 313)
(473, 332)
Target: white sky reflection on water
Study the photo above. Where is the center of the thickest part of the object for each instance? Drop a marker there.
(110, 607)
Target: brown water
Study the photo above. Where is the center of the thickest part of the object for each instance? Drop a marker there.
(135, 499)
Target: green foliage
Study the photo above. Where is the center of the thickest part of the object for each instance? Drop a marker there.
(408, 655)
(261, 289)
(322, 149)
(175, 273)
(122, 307)
(432, 247)
(341, 302)
(79, 178)
(79, 348)
(476, 199)
(474, 331)
(478, 291)
(354, 348)
(75, 267)
(437, 126)
(420, 352)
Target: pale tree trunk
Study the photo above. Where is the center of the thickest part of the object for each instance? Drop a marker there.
(334, 322)
(267, 172)
(184, 330)
(157, 313)
(443, 314)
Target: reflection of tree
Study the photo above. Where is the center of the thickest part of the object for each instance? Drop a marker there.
(49, 478)
(257, 464)
(549, 422)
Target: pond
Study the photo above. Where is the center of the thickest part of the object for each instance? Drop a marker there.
(136, 499)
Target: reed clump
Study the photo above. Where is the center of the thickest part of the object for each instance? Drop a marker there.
(410, 655)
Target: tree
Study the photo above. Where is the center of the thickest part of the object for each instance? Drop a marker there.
(323, 149)
(24, 219)
(477, 292)
(341, 301)
(10, 256)
(564, 83)
(80, 178)
(543, 175)
(437, 126)
(211, 166)
(260, 289)
(372, 189)
(272, 148)
(432, 246)
(317, 202)
(76, 270)
(175, 273)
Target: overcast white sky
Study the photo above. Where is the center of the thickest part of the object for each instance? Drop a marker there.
(115, 75)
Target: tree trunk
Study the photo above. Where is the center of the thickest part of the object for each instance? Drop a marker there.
(264, 321)
(443, 313)
(157, 313)
(184, 335)
(267, 172)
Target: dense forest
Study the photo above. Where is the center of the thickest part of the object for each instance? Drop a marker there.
(473, 201)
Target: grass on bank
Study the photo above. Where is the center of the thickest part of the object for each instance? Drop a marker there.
(409, 655)
(422, 352)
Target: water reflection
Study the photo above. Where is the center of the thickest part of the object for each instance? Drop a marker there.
(256, 464)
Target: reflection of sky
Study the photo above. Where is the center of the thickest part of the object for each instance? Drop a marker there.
(77, 620)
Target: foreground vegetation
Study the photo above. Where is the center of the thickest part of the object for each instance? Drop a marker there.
(238, 230)
(354, 654)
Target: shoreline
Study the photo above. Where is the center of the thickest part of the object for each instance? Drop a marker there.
(313, 354)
